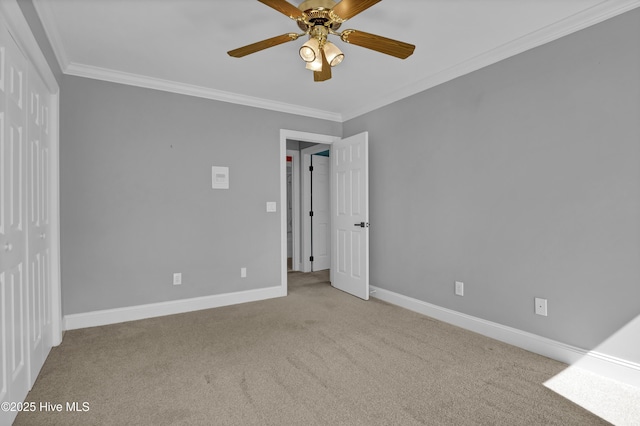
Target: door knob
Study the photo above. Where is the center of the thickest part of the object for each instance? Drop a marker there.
(362, 224)
(8, 247)
(43, 235)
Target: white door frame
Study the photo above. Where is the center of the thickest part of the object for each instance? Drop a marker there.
(295, 208)
(19, 28)
(306, 202)
(302, 137)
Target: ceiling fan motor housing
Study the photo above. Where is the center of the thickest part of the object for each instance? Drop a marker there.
(317, 4)
(318, 13)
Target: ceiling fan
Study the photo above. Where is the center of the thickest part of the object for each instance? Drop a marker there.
(319, 19)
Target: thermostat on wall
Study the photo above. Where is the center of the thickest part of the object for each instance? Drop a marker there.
(219, 177)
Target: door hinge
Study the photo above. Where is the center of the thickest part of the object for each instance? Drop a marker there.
(311, 214)
(310, 168)
(311, 259)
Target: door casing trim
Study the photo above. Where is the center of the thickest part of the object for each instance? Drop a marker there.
(293, 135)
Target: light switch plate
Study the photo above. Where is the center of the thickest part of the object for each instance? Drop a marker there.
(459, 288)
(271, 206)
(177, 278)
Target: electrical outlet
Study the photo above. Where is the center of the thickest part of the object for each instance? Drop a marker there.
(243, 272)
(177, 278)
(459, 288)
(541, 306)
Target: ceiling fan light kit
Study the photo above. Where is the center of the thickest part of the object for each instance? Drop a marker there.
(308, 51)
(334, 55)
(319, 19)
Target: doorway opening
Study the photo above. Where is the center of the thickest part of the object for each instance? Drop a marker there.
(349, 223)
(308, 206)
(295, 147)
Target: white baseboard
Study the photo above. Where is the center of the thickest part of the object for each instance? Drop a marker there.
(599, 363)
(133, 313)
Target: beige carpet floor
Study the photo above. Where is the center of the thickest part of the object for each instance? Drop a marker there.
(316, 357)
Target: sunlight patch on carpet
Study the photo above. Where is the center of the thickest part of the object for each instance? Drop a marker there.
(613, 401)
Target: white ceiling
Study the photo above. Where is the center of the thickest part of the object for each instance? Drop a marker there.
(181, 45)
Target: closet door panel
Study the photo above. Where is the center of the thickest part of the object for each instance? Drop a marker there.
(14, 366)
(38, 224)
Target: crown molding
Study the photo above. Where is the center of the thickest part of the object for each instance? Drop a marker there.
(198, 91)
(594, 15)
(43, 9)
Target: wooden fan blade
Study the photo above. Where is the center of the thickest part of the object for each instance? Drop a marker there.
(284, 7)
(378, 43)
(325, 73)
(347, 9)
(261, 45)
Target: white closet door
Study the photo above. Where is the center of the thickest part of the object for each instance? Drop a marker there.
(13, 250)
(38, 224)
(26, 331)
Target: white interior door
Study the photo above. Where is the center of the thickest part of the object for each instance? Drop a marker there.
(13, 251)
(321, 219)
(38, 223)
(307, 179)
(350, 215)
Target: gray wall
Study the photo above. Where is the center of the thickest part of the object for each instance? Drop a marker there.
(136, 197)
(522, 180)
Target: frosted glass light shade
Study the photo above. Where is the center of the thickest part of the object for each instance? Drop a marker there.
(334, 55)
(315, 65)
(310, 50)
